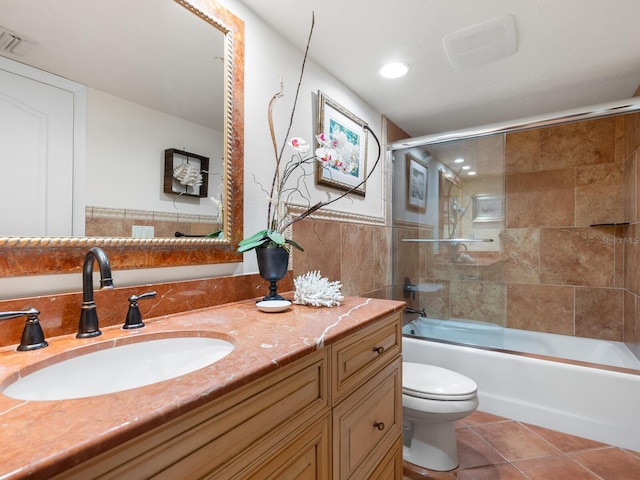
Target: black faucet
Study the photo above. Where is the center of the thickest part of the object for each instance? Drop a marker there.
(88, 324)
(408, 289)
(412, 311)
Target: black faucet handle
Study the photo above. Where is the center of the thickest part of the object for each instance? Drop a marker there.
(32, 335)
(134, 317)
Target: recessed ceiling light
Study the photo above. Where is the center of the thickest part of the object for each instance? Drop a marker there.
(471, 173)
(466, 167)
(394, 70)
(459, 160)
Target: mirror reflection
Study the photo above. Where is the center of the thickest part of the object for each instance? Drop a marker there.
(148, 76)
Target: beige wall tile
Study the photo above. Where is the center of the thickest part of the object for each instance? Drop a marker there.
(522, 255)
(382, 268)
(322, 248)
(631, 242)
(434, 297)
(358, 258)
(577, 256)
(409, 255)
(620, 234)
(522, 152)
(541, 199)
(599, 194)
(483, 301)
(577, 144)
(635, 179)
(491, 154)
(631, 189)
(620, 140)
(599, 313)
(541, 308)
(637, 328)
(631, 133)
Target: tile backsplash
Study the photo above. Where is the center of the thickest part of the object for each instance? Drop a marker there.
(59, 314)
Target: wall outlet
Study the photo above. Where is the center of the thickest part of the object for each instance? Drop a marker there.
(142, 231)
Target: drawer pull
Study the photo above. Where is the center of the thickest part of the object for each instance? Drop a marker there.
(379, 425)
(378, 350)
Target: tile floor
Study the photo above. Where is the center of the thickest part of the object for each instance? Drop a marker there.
(497, 448)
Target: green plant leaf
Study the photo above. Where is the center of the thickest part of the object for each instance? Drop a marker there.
(253, 238)
(250, 246)
(294, 244)
(276, 237)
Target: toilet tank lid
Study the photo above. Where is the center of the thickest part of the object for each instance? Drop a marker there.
(419, 378)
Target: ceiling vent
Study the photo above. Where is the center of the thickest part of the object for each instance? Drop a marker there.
(482, 43)
(13, 44)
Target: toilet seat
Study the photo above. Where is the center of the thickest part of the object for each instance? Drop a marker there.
(436, 383)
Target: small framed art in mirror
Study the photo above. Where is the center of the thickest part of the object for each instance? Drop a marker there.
(186, 173)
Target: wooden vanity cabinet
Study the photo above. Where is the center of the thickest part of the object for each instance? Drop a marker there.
(367, 402)
(333, 414)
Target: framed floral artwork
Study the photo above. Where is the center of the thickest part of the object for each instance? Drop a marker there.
(417, 175)
(344, 138)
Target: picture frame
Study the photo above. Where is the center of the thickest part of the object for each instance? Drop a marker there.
(487, 208)
(175, 158)
(417, 175)
(335, 119)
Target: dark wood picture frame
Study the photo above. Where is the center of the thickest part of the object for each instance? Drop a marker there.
(171, 185)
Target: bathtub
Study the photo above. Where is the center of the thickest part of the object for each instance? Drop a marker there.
(484, 334)
(595, 403)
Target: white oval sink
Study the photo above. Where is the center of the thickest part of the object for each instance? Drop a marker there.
(122, 367)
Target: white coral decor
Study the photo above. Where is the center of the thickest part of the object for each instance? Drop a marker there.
(313, 290)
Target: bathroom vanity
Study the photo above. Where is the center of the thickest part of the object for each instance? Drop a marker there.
(306, 393)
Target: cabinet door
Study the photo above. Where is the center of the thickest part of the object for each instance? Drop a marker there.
(359, 356)
(390, 468)
(368, 423)
(305, 458)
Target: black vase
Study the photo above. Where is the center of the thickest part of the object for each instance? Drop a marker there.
(273, 264)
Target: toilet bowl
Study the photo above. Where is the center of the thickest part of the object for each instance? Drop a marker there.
(433, 398)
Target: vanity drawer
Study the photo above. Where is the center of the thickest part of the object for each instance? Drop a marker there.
(362, 354)
(367, 424)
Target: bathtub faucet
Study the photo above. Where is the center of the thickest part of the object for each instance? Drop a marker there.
(409, 289)
(421, 312)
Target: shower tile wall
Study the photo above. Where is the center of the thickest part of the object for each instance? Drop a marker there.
(631, 238)
(554, 272)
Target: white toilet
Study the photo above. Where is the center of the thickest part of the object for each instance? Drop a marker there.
(433, 398)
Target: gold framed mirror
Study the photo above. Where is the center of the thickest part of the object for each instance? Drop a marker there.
(32, 254)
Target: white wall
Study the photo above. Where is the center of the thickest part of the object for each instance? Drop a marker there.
(125, 153)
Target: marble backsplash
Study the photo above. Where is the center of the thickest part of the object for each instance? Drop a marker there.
(59, 314)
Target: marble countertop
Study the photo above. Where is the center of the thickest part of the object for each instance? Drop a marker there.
(42, 438)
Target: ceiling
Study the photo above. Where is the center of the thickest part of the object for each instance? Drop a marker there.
(570, 54)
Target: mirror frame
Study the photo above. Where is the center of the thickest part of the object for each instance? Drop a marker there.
(46, 255)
